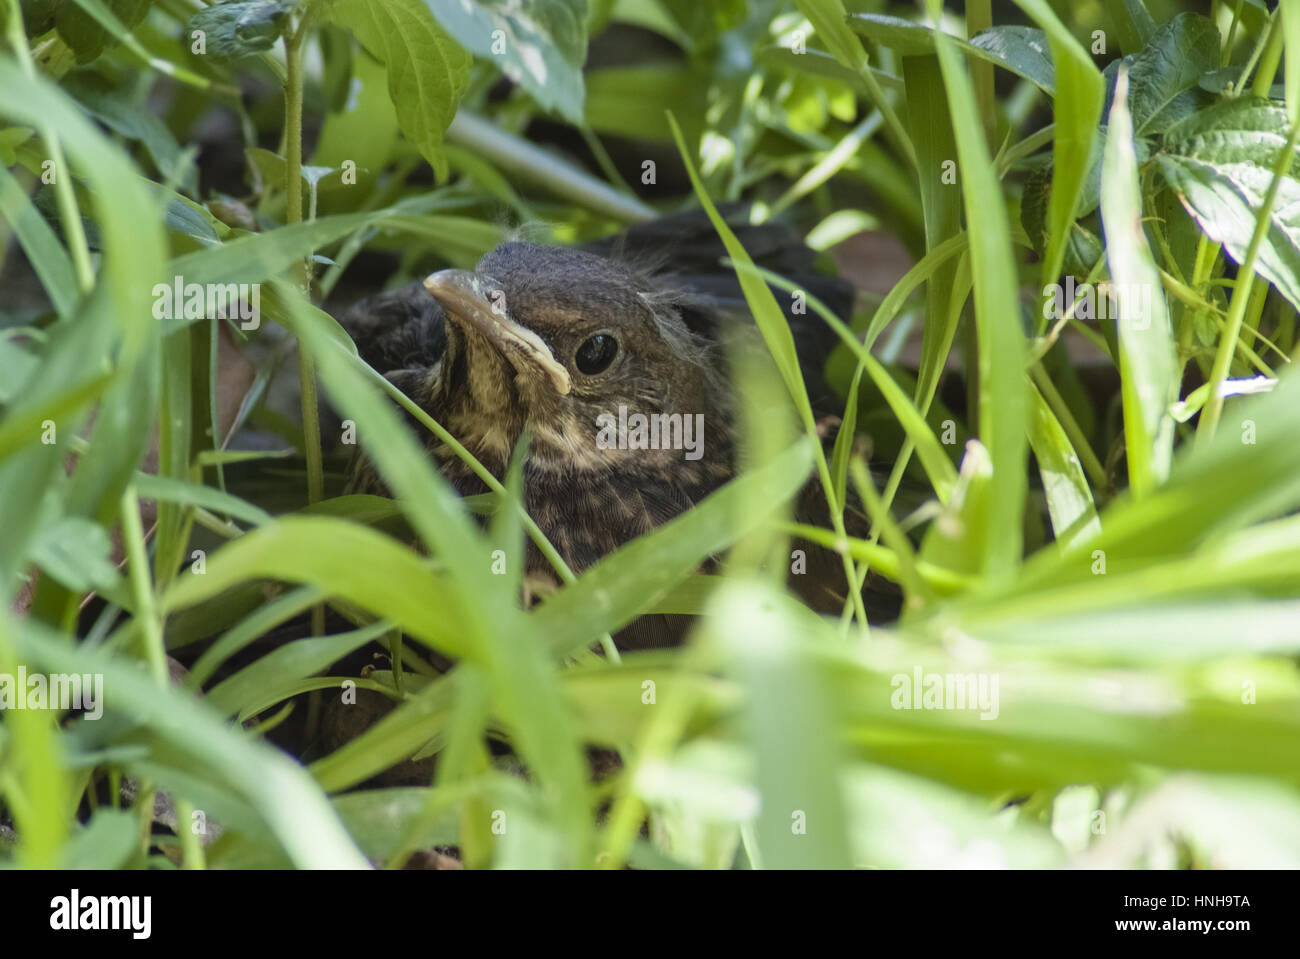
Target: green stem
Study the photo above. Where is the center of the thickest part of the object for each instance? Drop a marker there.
(979, 17)
(1232, 34)
(293, 85)
(516, 157)
(1268, 63)
(1242, 292)
(146, 609)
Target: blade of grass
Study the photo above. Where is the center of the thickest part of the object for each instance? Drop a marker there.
(1148, 371)
(1001, 342)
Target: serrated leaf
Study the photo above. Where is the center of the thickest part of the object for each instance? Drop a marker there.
(1219, 162)
(1164, 76)
(427, 71)
(539, 44)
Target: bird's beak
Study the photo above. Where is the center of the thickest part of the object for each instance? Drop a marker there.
(462, 294)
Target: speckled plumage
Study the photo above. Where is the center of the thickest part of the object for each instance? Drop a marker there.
(654, 291)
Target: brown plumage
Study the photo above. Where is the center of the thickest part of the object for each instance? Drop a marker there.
(570, 345)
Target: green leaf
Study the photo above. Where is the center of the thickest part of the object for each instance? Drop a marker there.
(767, 640)
(1219, 162)
(1022, 50)
(276, 787)
(538, 44)
(937, 465)
(828, 20)
(169, 490)
(122, 115)
(242, 29)
(110, 839)
(38, 15)
(1069, 498)
(427, 71)
(1080, 92)
(1147, 358)
(44, 251)
(322, 551)
(78, 553)
(83, 32)
(1001, 343)
(621, 585)
(1163, 76)
(1131, 22)
(115, 330)
(259, 685)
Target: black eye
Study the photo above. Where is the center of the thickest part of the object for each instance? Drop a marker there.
(596, 353)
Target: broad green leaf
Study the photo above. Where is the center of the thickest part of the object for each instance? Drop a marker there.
(427, 71)
(1163, 76)
(1022, 50)
(539, 44)
(233, 31)
(1131, 22)
(110, 839)
(364, 127)
(78, 553)
(83, 31)
(1219, 162)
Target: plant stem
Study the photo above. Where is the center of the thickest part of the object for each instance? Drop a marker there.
(1242, 291)
(979, 17)
(1268, 63)
(146, 610)
(69, 215)
(293, 38)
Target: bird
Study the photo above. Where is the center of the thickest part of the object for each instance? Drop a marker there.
(571, 345)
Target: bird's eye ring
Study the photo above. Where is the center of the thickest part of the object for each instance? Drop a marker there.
(596, 353)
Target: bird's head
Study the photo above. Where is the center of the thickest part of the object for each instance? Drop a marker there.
(559, 342)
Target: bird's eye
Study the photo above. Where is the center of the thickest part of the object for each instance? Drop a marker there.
(596, 353)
